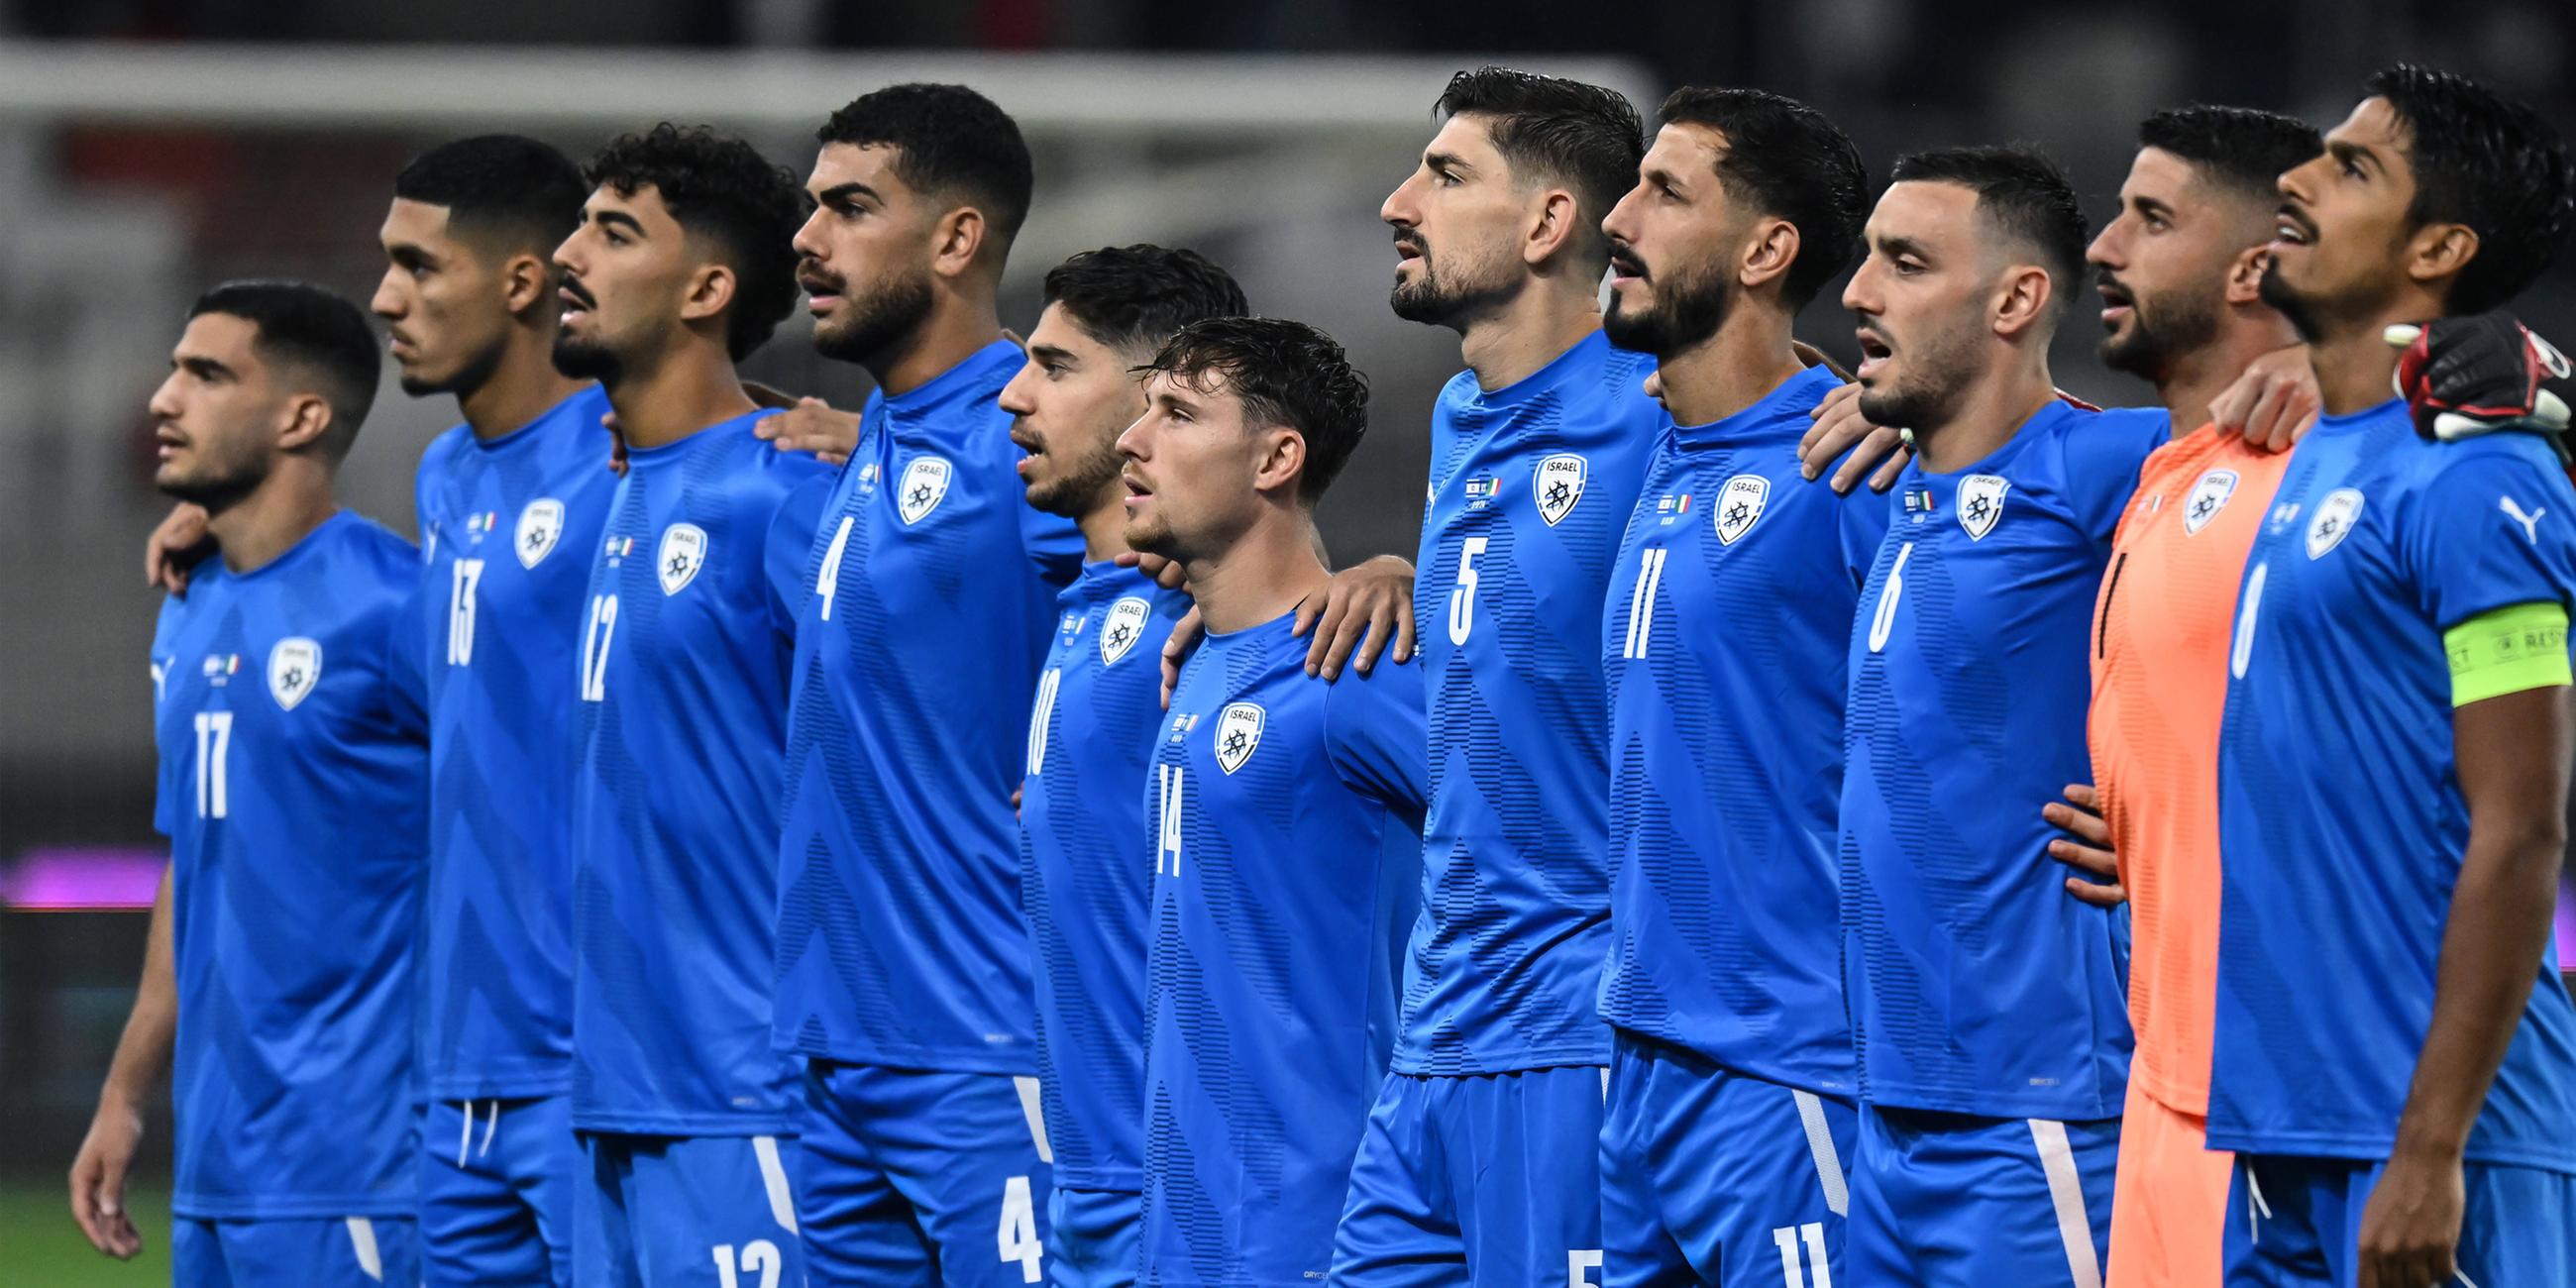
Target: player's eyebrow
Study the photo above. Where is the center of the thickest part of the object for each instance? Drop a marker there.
(620, 219)
(202, 367)
(408, 254)
(1053, 353)
(841, 194)
(2152, 206)
(2355, 154)
(1447, 161)
(1891, 247)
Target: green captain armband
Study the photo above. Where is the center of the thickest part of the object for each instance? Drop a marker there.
(2508, 650)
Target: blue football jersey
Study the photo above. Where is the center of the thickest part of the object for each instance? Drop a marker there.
(293, 785)
(2341, 823)
(1531, 488)
(1735, 584)
(1083, 874)
(686, 639)
(927, 606)
(507, 527)
(1287, 817)
(1977, 984)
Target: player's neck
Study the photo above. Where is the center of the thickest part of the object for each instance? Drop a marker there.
(1104, 525)
(284, 509)
(2198, 377)
(958, 325)
(1531, 330)
(692, 389)
(2355, 366)
(1259, 578)
(1747, 358)
(1988, 415)
(523, 386)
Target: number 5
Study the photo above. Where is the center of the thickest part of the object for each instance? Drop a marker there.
(1462, 600)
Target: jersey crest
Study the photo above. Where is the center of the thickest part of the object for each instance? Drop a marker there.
(1122, 628)
(1739, 506)
(1559, 483)
(2208, 497)
(1981, 503)
(294, 667)
(540, 526)
(1238, 732)
(2334, 520)
(684, 551)
(925, 482)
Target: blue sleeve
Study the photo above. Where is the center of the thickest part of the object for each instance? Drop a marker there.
(165, 797)
(1862, 526)
(2103, 458)
(1378, 733)
(424, 502)
(2490, 530)
(1053, 542)
(407, 663)
(789, 547)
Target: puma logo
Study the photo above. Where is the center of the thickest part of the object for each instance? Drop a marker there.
(2530, 522)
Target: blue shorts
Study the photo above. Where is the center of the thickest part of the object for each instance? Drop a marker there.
(328, 1252)
(1486, 1178)
(1954, 1201)
(1710, 1176)
(497, 1179)
(1093, 1238)
(2297, 1221)
(915, 1177)
(701, 1211)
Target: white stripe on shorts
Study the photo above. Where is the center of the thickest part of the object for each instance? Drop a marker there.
(773, 1178)
(2066, 1194)
(1820, 1146)
(1031, 1109)
(362, 1240)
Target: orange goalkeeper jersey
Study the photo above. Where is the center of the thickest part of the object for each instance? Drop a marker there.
(2160, 634)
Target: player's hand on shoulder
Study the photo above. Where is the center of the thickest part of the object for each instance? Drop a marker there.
(1877, 452)
(2086, 847)
(1362, 609)
(2273, 403)
(98, 1181)
(2466, 376)
(175, 547)
(811, 425)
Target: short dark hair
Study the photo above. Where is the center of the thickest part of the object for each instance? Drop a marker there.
(2023, 193)
(1787, 160)
(2241, 148)
(2486, 161)
(302, 325)
(1135, 297)
(1584, 135)
(719, 187)
(947, 139)
(508, 186)
(1284, 373)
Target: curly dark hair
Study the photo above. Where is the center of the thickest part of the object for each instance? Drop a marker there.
(2486, 161)
(2021, 193)
(1284, 373)
(1586, 136)
(516, 191)
(948, 140)
(1134, 297)
(1785, 159)
(719, 187)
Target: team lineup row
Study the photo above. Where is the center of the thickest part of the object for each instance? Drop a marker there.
(694, 863)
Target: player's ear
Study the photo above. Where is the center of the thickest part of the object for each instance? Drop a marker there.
(303, 421)
(1767, 257)
(2245, 275)
(1555, 225)
(527, 283)
(957, 240)
(2021, 299)
(710, 291)
(1282, 460)
(2439, 251)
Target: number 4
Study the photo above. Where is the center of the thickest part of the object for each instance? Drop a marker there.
(1018, 1236)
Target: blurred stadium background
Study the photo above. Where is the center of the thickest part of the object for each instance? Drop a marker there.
(150, 148)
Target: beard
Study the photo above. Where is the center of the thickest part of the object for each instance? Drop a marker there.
(216, 485)
(463, 381)
(1445, 295)
(586, 359)
(2161, 329)
(2286, 301)
(1090, 474)
(1689, 307)
(877, 322)
(1938, 373)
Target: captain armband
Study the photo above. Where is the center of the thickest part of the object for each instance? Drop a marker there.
(2508, 650)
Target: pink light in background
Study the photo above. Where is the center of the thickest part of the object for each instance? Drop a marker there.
(83, 879)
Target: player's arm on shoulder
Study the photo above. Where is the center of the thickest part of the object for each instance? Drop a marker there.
(808, 425)
(1378, 736)
(2273, 402)
(1844, 441)
(116, 1129)
(1363, 610)
(2513, 735)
